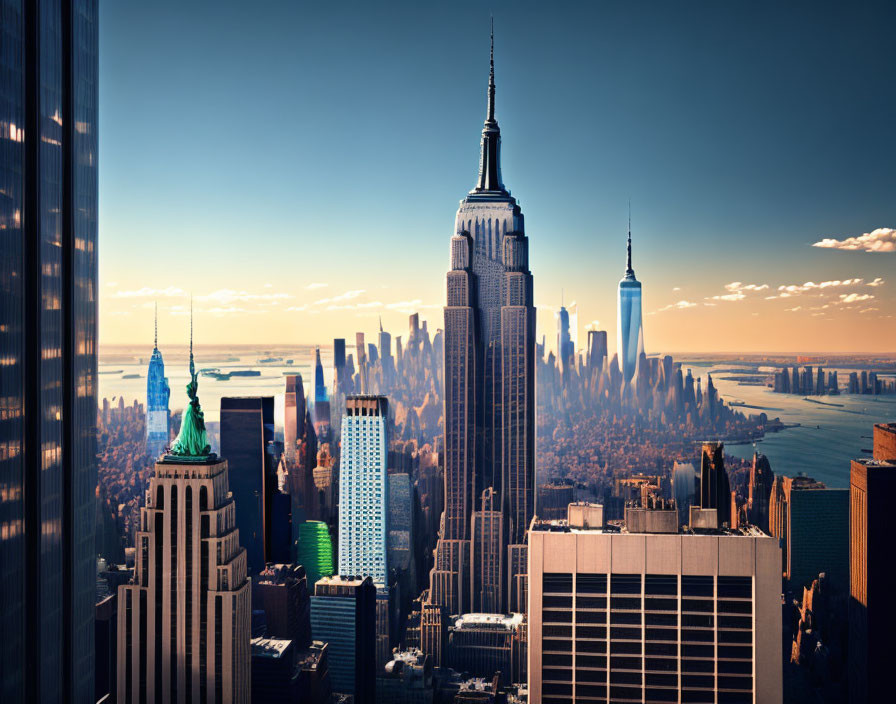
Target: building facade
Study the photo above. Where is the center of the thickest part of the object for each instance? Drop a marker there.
(247, 429)
(343, 615)
(158, 417)
(363, 489)
(183, 624)
(489, 344)
(811, 522)
(872, 571)
(48, 338)
(617, 616)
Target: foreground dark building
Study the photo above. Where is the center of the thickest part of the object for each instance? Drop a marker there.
(872, 571)
(489, 397)
(48, 278)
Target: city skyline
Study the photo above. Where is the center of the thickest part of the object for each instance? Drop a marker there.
(700, 144)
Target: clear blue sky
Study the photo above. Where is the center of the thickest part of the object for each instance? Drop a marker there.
(259, 148)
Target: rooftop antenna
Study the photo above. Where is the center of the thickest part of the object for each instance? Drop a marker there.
(491, 75)
(629, 272)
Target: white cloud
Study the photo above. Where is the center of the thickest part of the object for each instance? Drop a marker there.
(868, 310)
(792, 310)
(853, 297)
(788, 290)
(737, 291)
(226, 296)
(877, 282)
(678, 305)
(312, 286)
(147, 292)
(883, 239)
(677, 288)
(347, 296)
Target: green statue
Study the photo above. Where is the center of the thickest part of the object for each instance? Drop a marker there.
(192, 440)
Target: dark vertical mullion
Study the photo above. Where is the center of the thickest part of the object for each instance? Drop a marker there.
(31, 356)
(69, 438)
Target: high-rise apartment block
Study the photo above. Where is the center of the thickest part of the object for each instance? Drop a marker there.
(872, 570)
(183, 624)
(363, 489)
(247, 434)
(343, 615)
(489, 343)
(621, 616)
(48, 347)
(811, 522)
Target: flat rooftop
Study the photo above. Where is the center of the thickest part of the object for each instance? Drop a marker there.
(617, 527)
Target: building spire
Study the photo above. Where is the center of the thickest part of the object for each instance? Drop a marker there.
(490, 116)
(155, 341)
(192, 365)
(629, 272)
(490, 156)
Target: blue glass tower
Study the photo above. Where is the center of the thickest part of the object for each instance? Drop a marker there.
(630, 333)
(157, 392)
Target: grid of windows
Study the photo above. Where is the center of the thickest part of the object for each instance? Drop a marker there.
(362, 497)
(632, 637)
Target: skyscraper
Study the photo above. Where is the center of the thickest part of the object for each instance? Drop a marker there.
(715, 489)
(293, 414)
(343, 615)
(489, 343)
(183, 624)
(872, 570)
(158, 417)
(761, 481)
(565, 349)
(321, 400)
(811, 522)
(48, 337)
(247, 428)
(363, 489)
(629, 333)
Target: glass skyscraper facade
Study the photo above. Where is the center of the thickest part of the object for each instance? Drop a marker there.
(158, 417)
(630, 332)
(48, 276)
(363, 490)
(247, 434)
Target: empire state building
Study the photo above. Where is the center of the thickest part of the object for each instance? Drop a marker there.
(489, 397)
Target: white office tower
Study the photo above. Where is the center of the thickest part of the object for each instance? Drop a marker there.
(363, 489)
(616, 616)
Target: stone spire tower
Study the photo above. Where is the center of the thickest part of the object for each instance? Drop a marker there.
(184, 621)
(489, 396)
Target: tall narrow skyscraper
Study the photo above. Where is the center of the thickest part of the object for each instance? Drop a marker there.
(363, 489)
(247, 429)
(489, 385)
(48, 338)
(629, 332)
(158, 417)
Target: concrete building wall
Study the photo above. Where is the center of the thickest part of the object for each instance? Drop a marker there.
(715, 625)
